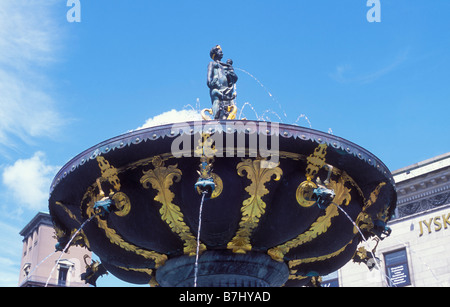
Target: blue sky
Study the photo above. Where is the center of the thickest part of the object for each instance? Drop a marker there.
(68, 86)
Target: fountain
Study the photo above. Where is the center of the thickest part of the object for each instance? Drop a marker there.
(223, 202)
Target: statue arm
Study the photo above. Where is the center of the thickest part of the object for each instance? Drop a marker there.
(233, 76)
(210, 76)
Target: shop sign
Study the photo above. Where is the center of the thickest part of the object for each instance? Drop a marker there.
(435, 224)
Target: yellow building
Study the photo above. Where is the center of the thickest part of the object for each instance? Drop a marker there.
(417, 252)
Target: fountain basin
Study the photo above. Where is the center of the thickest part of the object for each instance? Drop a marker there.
(262, 208)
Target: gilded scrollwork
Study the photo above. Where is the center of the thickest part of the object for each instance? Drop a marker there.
(293, 276)
(111, 175)
(253, 207)
(109, 172)
(304, 194)
(305, 190)
(161, 178)
(115, 238)
(316, 161)
(218, 186)
(81, 239)
(293, 263)
(95, 193)
(122, 203)
(206, 151)
(364, 220)
(151, 274)
(321, 225)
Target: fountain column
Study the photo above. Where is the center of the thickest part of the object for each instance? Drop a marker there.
(224, 269)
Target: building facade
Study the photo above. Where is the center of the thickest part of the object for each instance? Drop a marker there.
(40, 261)
(417, 253)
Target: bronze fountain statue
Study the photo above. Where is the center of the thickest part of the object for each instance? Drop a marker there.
(221, 81)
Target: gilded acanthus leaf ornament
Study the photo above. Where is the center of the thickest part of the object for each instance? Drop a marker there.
(342, 193)
(161, 178)
(253, 207)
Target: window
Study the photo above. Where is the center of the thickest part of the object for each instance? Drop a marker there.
(26, 268)
(62, 277)
(330, 280)
(65, 270)
(397, 269)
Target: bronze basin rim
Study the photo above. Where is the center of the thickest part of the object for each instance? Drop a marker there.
(285, 131)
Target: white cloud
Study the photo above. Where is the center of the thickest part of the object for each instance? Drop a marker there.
(345, 73)
(29, 37)
(11, 243)
(28, 181)
(28, 32)
(172, 116)
(25, 111)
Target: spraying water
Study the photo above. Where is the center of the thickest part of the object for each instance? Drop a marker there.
(197, 106)
(421, 260)
(270, 111)
(403, 243)
(250, 105)
(198, 239)
(66, 247)
(35, 268)
(305, 117)
(365, 240)
(265, 88)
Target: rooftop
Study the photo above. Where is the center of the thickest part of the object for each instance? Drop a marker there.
(422, 168)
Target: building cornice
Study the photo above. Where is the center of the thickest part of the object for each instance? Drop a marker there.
(423, 186)
(422, 168)
(41, 218)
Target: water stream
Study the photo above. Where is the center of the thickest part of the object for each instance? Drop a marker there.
(305, 117)
(67, 247)
(35, 268)
(386, 277)
(421, 260)
(265, 88)
(264, 116)
(250, 105)
(198, 239)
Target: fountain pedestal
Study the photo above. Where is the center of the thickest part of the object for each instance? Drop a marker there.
(224, 269)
